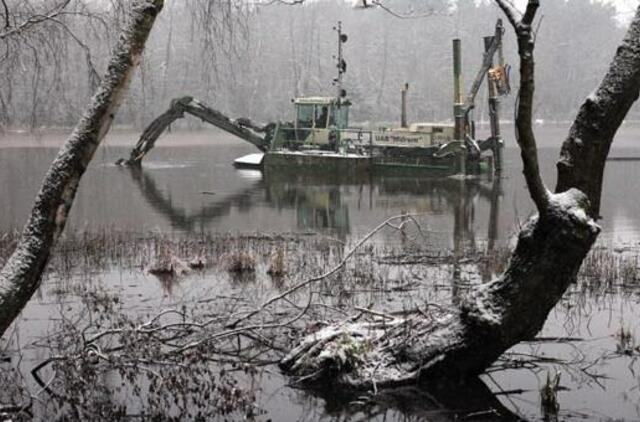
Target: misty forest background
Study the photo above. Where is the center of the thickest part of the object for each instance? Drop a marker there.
(251, 60)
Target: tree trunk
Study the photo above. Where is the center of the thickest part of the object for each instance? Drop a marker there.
(22, 273)
(463, 342)
(435, 345)
(585, 150)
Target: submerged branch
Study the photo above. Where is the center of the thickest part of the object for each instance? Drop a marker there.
(387, 223)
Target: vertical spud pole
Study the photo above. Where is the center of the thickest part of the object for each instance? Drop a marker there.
(403, 107)
(494, 115)
(458, 100)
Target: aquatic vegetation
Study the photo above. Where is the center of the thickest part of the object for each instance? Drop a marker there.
(626, 344)
(205, 348)
(605, 268)
(549, 397)
(277, 266)
(239, 262)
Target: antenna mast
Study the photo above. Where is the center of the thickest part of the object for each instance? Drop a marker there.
(341, 63)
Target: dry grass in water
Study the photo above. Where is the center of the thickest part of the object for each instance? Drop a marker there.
(239, 262)
(603, 268)
(626, 342)
(549, 397)
(370, 278)
(277, 266)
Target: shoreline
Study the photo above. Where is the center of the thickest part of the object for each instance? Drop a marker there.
(117, 137)
(550, 135)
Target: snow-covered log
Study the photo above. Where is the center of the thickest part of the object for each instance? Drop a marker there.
(22, 273)
(438, 344)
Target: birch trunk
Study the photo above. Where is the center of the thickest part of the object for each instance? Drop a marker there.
(22, 273)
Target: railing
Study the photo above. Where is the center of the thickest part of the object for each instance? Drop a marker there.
(357, 137)
(344, 141)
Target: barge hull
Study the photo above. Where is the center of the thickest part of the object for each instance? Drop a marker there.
(358, 165)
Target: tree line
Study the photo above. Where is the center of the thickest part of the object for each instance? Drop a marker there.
(250, 60)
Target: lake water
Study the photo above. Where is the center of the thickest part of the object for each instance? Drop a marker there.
(189, 187)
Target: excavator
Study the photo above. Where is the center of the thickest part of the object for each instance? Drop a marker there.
(243, 128)
(320, 137)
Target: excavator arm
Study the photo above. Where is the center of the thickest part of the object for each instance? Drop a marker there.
(498, 80)
(260, 136)
(495, 46)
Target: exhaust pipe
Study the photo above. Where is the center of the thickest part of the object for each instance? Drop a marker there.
(403, 110)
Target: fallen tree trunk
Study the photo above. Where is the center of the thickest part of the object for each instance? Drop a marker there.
(21, 275)
(437, 344)
(440, 344)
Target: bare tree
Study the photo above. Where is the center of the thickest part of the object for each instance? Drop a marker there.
(435, 343)
(226, 52)
(22, 273)
(432, 342)
(22, 21)
(35, 36)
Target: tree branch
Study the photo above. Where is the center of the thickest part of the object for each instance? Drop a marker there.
(530, 12)
(7, 22)
(454, 345)
(524, 114)
(509, 11)
(33, 20)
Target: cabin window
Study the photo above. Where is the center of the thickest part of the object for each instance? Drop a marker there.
(305, 115)
(341, 116)
(322, 114)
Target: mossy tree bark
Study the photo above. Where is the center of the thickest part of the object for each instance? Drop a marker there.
(21, 275)
(460, 343)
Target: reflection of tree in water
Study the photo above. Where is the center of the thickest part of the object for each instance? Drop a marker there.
(458, 196)
(417, 403)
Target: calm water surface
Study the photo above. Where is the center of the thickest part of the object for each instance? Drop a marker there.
(185, 189)
(194, 188)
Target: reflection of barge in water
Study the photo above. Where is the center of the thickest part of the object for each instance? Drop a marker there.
(324, 203)
(321, 138)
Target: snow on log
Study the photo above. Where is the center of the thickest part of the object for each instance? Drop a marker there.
(436, 344)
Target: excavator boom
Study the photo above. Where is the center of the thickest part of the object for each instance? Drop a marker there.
(243, 128)
(493, 47)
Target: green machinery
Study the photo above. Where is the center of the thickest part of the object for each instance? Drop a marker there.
(321, 135)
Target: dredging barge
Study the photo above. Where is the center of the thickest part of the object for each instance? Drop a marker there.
(321, 138)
